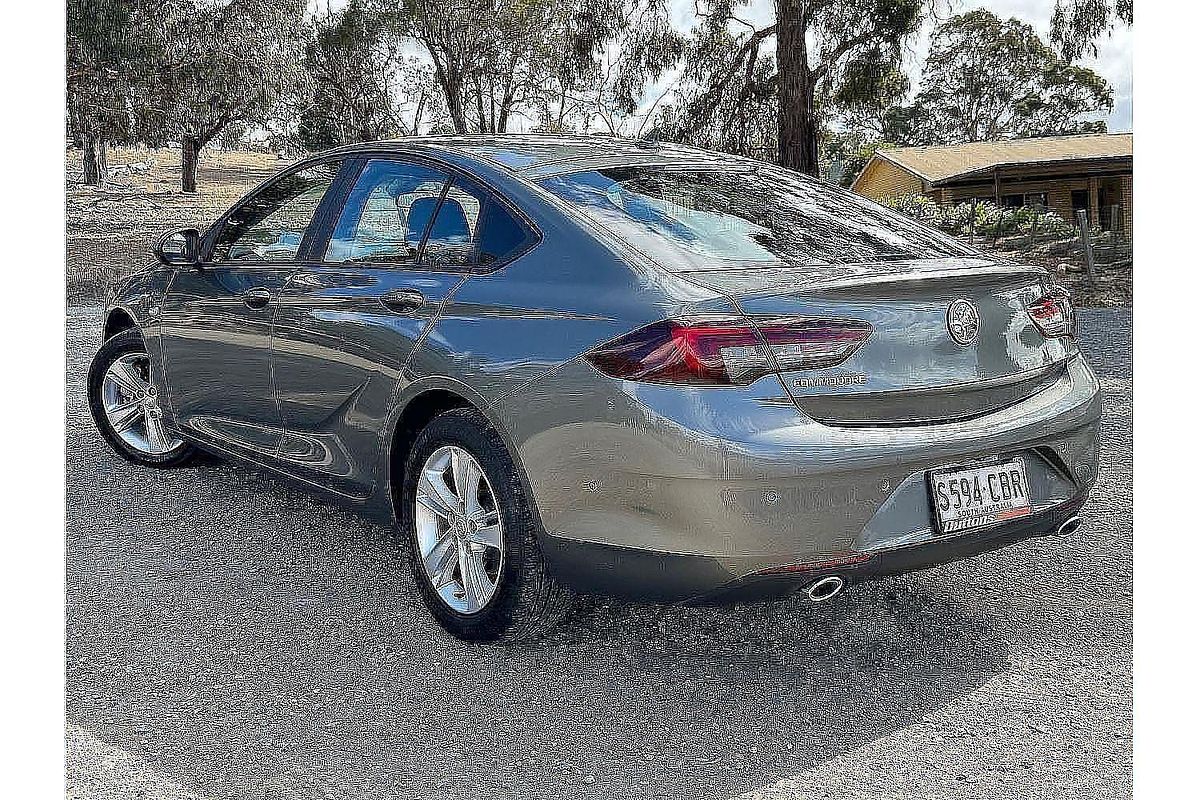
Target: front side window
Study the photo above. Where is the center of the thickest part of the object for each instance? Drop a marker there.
(270, 225)
(386, 214)
(718, 219)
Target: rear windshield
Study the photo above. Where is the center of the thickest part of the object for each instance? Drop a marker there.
(710, 219)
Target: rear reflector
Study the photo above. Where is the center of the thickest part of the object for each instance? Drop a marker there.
(715, 351)
(1053, 314)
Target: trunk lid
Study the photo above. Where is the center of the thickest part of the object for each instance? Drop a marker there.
(911, 370)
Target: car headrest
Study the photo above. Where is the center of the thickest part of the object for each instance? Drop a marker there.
(418, 218)
(451, 222)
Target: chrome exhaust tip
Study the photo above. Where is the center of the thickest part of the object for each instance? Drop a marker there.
(821, 590)
(1070, 526)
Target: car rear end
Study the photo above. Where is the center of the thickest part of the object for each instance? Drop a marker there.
(873, 396)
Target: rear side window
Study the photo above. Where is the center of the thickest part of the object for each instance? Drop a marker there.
(270, 225)
(716, 219)
(386, 213)
(472, 230)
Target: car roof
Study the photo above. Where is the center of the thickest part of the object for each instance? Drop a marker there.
(539, 155)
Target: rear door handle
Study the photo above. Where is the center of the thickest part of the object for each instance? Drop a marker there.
(256, 298)
(403, 301)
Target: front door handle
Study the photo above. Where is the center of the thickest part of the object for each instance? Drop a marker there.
(403, 301)
(256, 298)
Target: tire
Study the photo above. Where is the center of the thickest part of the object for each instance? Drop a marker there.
(161, 448)
(526, 601)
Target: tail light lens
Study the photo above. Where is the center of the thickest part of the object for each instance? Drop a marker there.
(723, 351)
(1053, 314)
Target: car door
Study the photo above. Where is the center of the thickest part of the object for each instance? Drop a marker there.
(405, 238)
(216, 318)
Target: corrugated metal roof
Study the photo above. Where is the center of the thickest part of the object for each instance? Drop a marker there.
(939, 163)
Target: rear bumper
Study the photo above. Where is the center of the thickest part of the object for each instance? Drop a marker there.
(652, 493)
(664, 577)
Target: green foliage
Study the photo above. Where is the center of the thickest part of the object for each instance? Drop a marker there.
(531, 57)
(982, 217)
(988, 79)
(361, 86)
(221, 65)
(851, 149)
(917, 206)
(1077, 24)
(108, 85)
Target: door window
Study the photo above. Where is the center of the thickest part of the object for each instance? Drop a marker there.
(472, 230)
(270, 225)
(386, 213)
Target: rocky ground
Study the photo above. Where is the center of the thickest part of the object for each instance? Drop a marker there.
(229, 637)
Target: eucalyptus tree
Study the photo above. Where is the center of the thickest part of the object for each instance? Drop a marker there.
(987, 78)
(224, 64)
(364, 84)
(1076, 24)
(812, 52)
(613, 79)
(537, 59)
(105, 77)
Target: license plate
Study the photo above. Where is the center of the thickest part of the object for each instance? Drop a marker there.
(965, 499)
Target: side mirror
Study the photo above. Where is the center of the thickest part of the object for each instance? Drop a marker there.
(179, 248)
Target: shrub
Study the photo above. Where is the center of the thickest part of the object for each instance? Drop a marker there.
(989, 219)
(917, 206)
(959, 221)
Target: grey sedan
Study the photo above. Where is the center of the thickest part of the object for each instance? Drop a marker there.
(561, 365)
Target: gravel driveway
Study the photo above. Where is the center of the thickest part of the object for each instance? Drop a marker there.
(227, 636)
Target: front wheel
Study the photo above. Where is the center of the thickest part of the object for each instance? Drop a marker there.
(473, 538)
(124, 403)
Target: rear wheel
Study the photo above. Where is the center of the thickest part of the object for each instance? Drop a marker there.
(124, 403)
(472, 534)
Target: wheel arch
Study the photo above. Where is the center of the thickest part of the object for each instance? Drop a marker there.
(415, 412)
(117, 321)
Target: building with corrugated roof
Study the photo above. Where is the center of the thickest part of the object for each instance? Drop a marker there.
(1059, 173)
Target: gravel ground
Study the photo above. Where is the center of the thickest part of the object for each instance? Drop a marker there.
(227, 636)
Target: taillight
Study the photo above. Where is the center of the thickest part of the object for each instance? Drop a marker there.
(713, 351)
(1053, 314)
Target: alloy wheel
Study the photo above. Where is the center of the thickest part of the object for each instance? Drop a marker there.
(131, 406)
(458, 529)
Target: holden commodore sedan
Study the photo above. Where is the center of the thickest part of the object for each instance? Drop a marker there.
(562, 365)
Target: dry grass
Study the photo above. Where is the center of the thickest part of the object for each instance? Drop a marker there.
(110, 232)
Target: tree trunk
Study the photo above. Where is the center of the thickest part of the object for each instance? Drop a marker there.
(797, 109)
(95, 160)
(452, 90)
(189, 162)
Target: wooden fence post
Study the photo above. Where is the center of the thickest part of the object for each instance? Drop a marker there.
(1085, 239)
